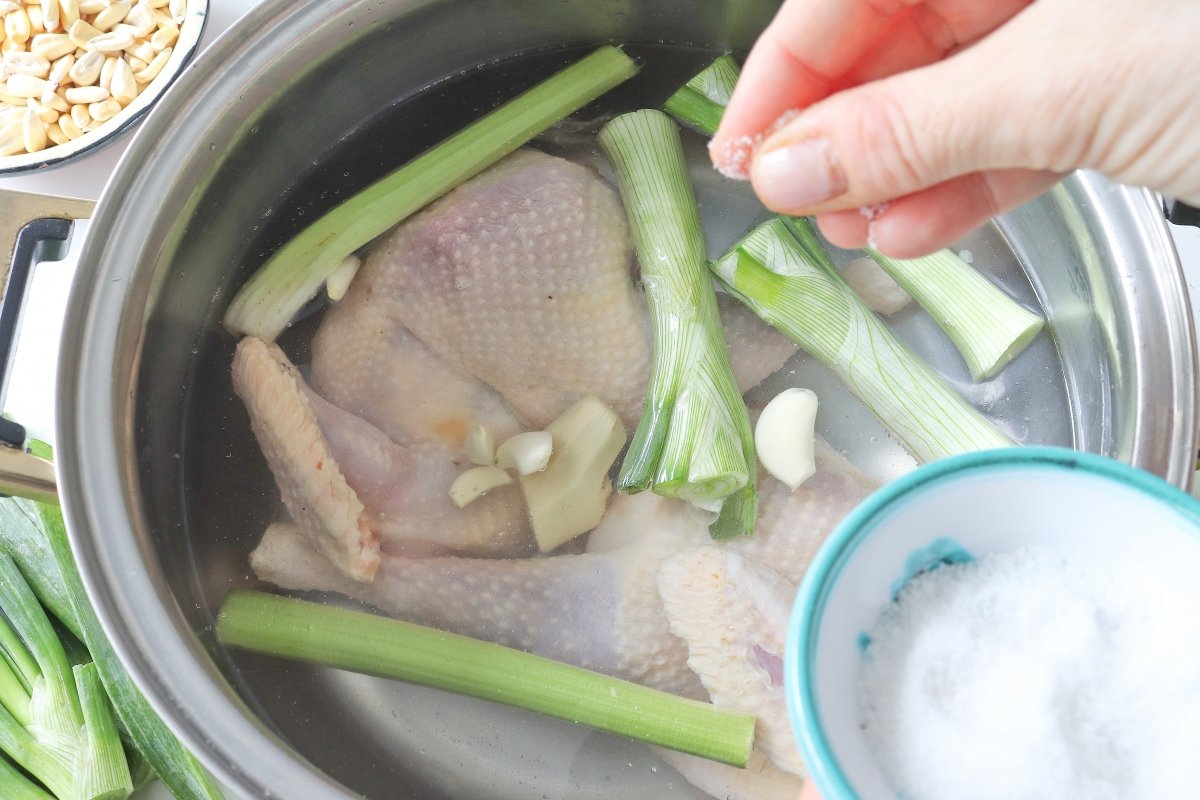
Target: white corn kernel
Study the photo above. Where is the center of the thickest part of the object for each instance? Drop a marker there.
(112, 42)
(52, 46)
(86, 70)
(92, 6)
(154, 67)
(60, 68)
(35, 20)
(177, 8)
(82, 32)
(55, 134)
(141, 18)
(164, 37)
(68, 12)
(12, 139)
(16, 26)
(8, 6)
(104, 111)
(124, 86)
(110, 16)
(69, 127)
(86, 94)
(143, 50)
(50, 15)
(106, 72)
(33, 132)
(135, 63)
(27, 64)
(45, 114)
(56, 101)
(25, 86)
(80, 116)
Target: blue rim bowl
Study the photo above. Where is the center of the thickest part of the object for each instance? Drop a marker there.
(867, 520)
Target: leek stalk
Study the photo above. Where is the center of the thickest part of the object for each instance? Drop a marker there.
(988, 327)
(267, 302)
(375, 645)
(773, 274)
(15, 786)
(70, 745)
(700, 103)
(174, 765)
(694, 439)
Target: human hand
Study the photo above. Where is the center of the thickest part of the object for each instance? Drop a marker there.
(952, 111)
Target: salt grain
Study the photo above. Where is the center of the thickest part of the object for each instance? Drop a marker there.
(732, 159)
(1019, 676)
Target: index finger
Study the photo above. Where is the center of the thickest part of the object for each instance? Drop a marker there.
(795, 62)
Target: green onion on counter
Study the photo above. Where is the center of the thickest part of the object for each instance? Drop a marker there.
(267, 302)
(694, 439)
(375, 645)
(987, 326)
(35, 554)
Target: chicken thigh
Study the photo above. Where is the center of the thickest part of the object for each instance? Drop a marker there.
(601, 609)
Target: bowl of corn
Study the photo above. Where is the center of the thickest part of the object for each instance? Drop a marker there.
(76, 74)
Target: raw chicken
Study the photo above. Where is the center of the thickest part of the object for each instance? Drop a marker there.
(519, 287)
(733, 614)
(601, 609)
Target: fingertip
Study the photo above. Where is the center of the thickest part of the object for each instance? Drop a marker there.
(846, 229)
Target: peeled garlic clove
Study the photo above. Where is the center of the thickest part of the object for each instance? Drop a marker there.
(475, 483)
(338, 283)
(785, 434)
(527, 453)
(480, 446)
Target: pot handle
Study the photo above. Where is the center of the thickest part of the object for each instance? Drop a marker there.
(33, 228)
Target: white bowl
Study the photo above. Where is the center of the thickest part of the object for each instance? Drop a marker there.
(190, 31)
(1095, 512)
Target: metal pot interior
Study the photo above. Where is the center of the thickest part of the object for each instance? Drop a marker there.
(307, 102)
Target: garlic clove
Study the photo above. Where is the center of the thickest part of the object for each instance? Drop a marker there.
(475, 483)
(527, 453)
(785, 436)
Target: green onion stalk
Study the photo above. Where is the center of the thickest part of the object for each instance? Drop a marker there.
(51, 722)
(375, 645)
(35, 540)
(988, 327)
(774, 275)
(694, 439)
(293, 275)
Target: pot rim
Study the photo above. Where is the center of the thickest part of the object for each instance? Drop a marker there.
(97, 476)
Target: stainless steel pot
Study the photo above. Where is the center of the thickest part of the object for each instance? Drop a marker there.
(165, 492)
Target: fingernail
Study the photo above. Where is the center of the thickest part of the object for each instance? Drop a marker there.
(799, 175)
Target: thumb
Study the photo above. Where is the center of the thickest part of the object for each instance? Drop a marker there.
(995, 105)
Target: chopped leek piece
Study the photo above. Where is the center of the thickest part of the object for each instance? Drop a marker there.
(694, 440)
(375, 645)
(700, 103)
(101, 771)
(773, 274)
(987, 326)
(268, 301)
